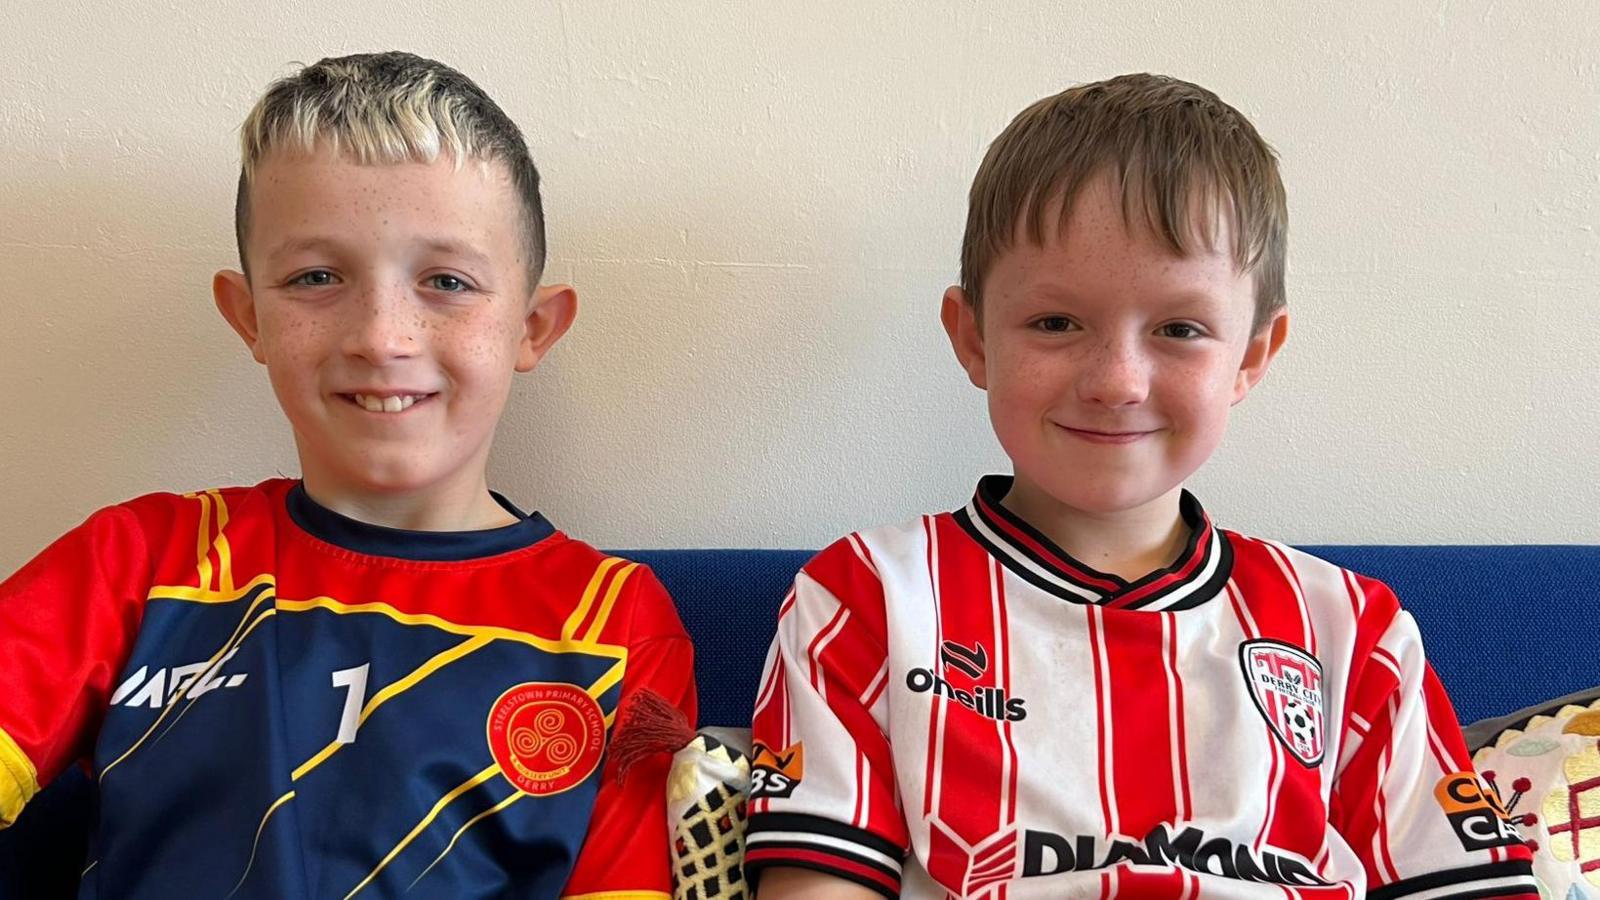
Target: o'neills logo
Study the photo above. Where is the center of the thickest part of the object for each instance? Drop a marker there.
(1044, 853)
(985, 701)
(547, 737)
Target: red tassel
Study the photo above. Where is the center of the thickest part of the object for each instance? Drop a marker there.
(649, 725)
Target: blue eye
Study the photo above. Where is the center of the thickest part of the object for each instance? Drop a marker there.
(450, 284)
(313, 278)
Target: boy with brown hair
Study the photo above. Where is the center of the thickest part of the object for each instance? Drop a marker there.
(381, 678)
(1077, 685)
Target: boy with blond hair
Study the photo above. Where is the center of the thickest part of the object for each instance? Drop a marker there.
(1077, 685)
(383, 677)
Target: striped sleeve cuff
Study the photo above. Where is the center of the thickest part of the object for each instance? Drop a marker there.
(1509, 879)
(798, 841)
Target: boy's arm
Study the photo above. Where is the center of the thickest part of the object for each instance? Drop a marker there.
(805, 884)
(823, 794)
(626, 852)
(1405, 796)
(67, 622)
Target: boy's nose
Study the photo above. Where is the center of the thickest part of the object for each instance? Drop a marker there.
(1117, 374)
(383, 326)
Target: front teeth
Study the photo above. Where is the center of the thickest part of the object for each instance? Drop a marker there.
(389, 404)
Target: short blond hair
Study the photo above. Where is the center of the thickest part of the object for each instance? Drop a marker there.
(1179, 155)
(384, 108)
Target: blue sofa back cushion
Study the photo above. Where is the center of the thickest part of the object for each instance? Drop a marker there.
(1504, 626)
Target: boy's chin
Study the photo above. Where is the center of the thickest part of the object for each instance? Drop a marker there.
(385, 478)
(1106, 501)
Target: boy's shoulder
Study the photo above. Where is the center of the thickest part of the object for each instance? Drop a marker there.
(1322, 588)
(217, 503)
(168, 517)
(865, 552)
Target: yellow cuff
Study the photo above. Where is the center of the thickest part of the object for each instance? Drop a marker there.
(18, 780)
(619, 895)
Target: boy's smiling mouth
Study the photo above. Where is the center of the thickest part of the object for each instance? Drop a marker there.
(387, 402)
(1105, 437)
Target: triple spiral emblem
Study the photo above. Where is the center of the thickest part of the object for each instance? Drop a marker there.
(547, 737)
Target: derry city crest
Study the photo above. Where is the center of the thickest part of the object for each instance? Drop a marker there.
(1286, 685)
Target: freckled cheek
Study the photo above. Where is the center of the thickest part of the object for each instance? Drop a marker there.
(480, 354)
(1032, 376)
(289, 341)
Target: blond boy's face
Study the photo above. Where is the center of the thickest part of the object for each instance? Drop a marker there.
(1110, 362)
(391, 306)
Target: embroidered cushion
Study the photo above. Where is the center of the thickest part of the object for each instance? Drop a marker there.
(1545, 763)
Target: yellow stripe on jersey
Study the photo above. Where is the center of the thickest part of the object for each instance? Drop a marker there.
(589, 593)
(610, 678)
(504, 634)
(515, 796)
(245, 626)
(256, 844)
(395, 689)
(206, 542)
(224, 551)
(20, 782)
(204, 595)
(618, 895)
(457, 791)
(202, 549)
(610, 601)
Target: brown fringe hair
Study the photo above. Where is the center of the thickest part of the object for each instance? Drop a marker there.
(1181, 157)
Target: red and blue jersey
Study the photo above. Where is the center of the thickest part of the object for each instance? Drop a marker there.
(279, 701)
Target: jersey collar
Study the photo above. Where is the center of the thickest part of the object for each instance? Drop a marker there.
(1194, 577)
(428, 546)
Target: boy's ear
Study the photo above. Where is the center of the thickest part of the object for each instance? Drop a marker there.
(966, 339)
(554, 308)
(1258, 354)
(231, 291)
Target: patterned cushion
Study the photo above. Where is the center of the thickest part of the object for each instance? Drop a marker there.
(706, 811)
(1545, 764)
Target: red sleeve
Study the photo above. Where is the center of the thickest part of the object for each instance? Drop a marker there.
(626, 853)
(68, 618)
(1406, 798)
(823, 792)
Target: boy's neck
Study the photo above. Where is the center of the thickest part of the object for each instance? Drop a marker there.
(1129, 544)
(463, 507)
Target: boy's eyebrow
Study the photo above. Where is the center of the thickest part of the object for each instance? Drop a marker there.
(300, 244)
(453, 247)
(1055, 292)
(1193, 297)
(446, 246)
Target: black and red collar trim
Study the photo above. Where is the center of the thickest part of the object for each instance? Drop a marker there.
(1196, 576)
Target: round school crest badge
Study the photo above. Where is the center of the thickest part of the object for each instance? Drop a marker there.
(547, 737)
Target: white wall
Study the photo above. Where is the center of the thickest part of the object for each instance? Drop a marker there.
(761, 203)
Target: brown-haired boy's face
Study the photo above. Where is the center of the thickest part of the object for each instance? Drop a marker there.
(391, 306)
(1109, 361)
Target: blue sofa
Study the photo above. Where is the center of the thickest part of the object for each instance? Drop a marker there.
(1505, 627)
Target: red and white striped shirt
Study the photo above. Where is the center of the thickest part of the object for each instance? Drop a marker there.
(956, 707)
